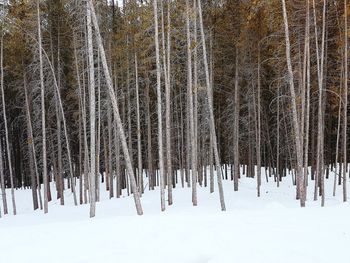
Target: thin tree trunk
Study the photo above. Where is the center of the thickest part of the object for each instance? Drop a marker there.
(211, 109)
(258, 136)
(151, 177)
(98, 146)
(166, 62)
(278, 138)
(190, 109)
(345, 108)
(139, 148)
(92, 185)
(110, 153)
(320, 127)
(35, 184)
(116, 112)
(236, 128)
(295, 118)
(307, 119)
(45, 177)
(2, 181)
(159, 107)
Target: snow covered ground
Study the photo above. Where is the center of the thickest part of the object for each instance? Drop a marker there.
(268, 229)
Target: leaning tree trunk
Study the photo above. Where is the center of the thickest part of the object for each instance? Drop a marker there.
(113, 98)
(211, 109)
(6, 129)
(6, 126)
(295, 118)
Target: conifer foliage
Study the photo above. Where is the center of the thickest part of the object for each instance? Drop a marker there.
(152, 95)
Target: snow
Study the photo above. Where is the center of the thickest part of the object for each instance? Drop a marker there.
(272, 228)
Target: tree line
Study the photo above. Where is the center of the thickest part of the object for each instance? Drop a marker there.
(185, 93)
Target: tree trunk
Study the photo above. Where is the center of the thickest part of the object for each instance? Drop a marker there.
(258, 131)
(35, 184)
(139, 148)
(45, 176)
(92, 185)
(295, 118)
(345, 108)
(211, 110)
(116, 112)
(190, 109)
(236, 128)
(2, 181)
(159, 108)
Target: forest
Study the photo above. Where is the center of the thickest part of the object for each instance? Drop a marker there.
(151, 95)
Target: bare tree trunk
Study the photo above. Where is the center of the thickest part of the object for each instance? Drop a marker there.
(86, 145)
(45, 177)
(59, 170)
(151, 179)
(307, 84)
(35, 184)
(211, 164)
(337, 166)
(139, 149)
(81, 145)
(195, 87)
(92, 185)
(190, 108)
(345, 108)
(278, 138)
(110, 153)
(116, 112)
(128, 107)
(117, 157)
(2, 181)
(81, 94)
(296, 122)
(159, 107)
(166, 62)
(320, 127)
(181, 132)
(258, 136)
(211, 109)
(59, 157)
(98, 147)
(236, 128)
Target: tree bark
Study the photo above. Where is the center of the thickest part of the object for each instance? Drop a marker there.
(45, 176)
(159, 107)
(211, 110)
(116, 112)
(345, 108)
(295, 118)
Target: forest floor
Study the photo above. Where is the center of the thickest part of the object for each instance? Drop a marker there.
(271, 229)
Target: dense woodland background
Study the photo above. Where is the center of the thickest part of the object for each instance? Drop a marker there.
(99, 92)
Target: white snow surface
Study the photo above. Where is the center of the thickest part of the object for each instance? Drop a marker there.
(271, 229)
